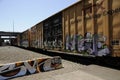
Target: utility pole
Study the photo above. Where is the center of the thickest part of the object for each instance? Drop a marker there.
(12, 40)
(13, 26)
(11, 33)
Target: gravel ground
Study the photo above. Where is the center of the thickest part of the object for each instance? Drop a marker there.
(10, 54)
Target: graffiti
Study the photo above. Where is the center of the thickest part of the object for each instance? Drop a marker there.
(85, 44)
(67, 43)
(101, 46)
(91, 44)
(99, 4)
(71, 42)
(29, 67)
(24, 43)
(80, 43)
(53, 44)
(57, 43)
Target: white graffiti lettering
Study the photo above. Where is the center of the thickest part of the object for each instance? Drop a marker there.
(29, 67)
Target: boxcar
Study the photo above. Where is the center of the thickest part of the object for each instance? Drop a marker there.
(52, 32)
(92, 27)
(39, 35)
(25, 39)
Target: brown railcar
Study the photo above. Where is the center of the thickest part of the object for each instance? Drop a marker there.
(33, 37)
(36, 36)
(39, 35)
(24, 38)
(92, 27)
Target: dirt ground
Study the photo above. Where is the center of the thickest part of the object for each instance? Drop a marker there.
(70, 70)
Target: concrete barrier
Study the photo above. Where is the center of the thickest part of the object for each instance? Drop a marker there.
(22, 68)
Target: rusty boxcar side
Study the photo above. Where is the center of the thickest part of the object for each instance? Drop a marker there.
(92, 27)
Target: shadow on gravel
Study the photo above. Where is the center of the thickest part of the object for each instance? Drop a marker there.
(106, 61)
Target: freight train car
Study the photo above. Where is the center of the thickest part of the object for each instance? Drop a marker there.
(24, 38)
(92, 27)
(39, 35)
(33, 34)
(52, 29)
(36, 36)
(89, 27)
(18, 39)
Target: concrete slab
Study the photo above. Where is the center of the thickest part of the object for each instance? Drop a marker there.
(22, 68)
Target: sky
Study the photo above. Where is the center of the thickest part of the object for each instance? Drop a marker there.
(23, 14)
